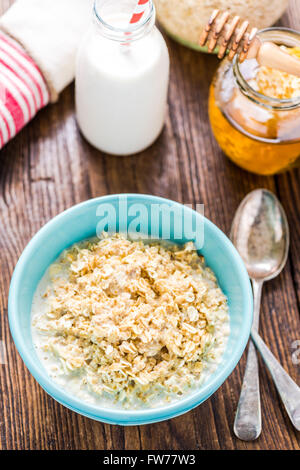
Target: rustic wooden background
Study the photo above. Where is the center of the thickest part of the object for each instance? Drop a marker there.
(48, 167)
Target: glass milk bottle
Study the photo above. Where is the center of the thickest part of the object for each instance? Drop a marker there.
(122, 76)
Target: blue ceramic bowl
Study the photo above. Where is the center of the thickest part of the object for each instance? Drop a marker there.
(80, 222)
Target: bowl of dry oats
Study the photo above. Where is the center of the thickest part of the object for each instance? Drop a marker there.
(130, 309)
(184, 20)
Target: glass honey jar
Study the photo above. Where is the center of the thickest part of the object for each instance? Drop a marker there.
(255, 111)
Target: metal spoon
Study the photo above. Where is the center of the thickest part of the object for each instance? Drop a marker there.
(260, 233)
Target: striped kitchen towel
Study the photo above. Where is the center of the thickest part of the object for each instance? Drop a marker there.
(38, 46)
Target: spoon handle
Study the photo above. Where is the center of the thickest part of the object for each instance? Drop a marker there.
(286, 387)
(247, 423)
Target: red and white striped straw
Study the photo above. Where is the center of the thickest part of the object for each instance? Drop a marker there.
(139, 11)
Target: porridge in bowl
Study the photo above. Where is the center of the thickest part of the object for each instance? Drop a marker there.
(129, 323)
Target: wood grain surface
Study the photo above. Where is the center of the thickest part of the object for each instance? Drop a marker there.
(48, 167)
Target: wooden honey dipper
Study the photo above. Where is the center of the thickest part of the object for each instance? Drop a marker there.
(232, 36)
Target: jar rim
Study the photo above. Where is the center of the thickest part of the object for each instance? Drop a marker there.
(131, 28)
(256, 96)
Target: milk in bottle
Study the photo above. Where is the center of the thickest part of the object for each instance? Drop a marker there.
(122, 78)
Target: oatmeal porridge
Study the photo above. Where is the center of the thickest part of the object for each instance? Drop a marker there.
(131, 323)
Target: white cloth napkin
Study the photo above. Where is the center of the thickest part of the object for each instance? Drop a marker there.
(50, 31)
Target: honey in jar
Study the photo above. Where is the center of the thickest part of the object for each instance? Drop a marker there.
(255, 111)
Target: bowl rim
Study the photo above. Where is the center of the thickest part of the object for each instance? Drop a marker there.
(118, 415)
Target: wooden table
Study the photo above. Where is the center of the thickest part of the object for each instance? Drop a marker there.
(48, 167)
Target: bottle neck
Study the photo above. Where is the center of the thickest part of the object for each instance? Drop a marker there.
(281, 36)
(112, 20)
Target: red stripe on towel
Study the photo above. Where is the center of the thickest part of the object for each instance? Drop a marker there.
(19, 54)
(22, 74)
(23, 90)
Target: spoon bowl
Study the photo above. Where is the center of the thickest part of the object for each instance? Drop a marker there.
(260, 232)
